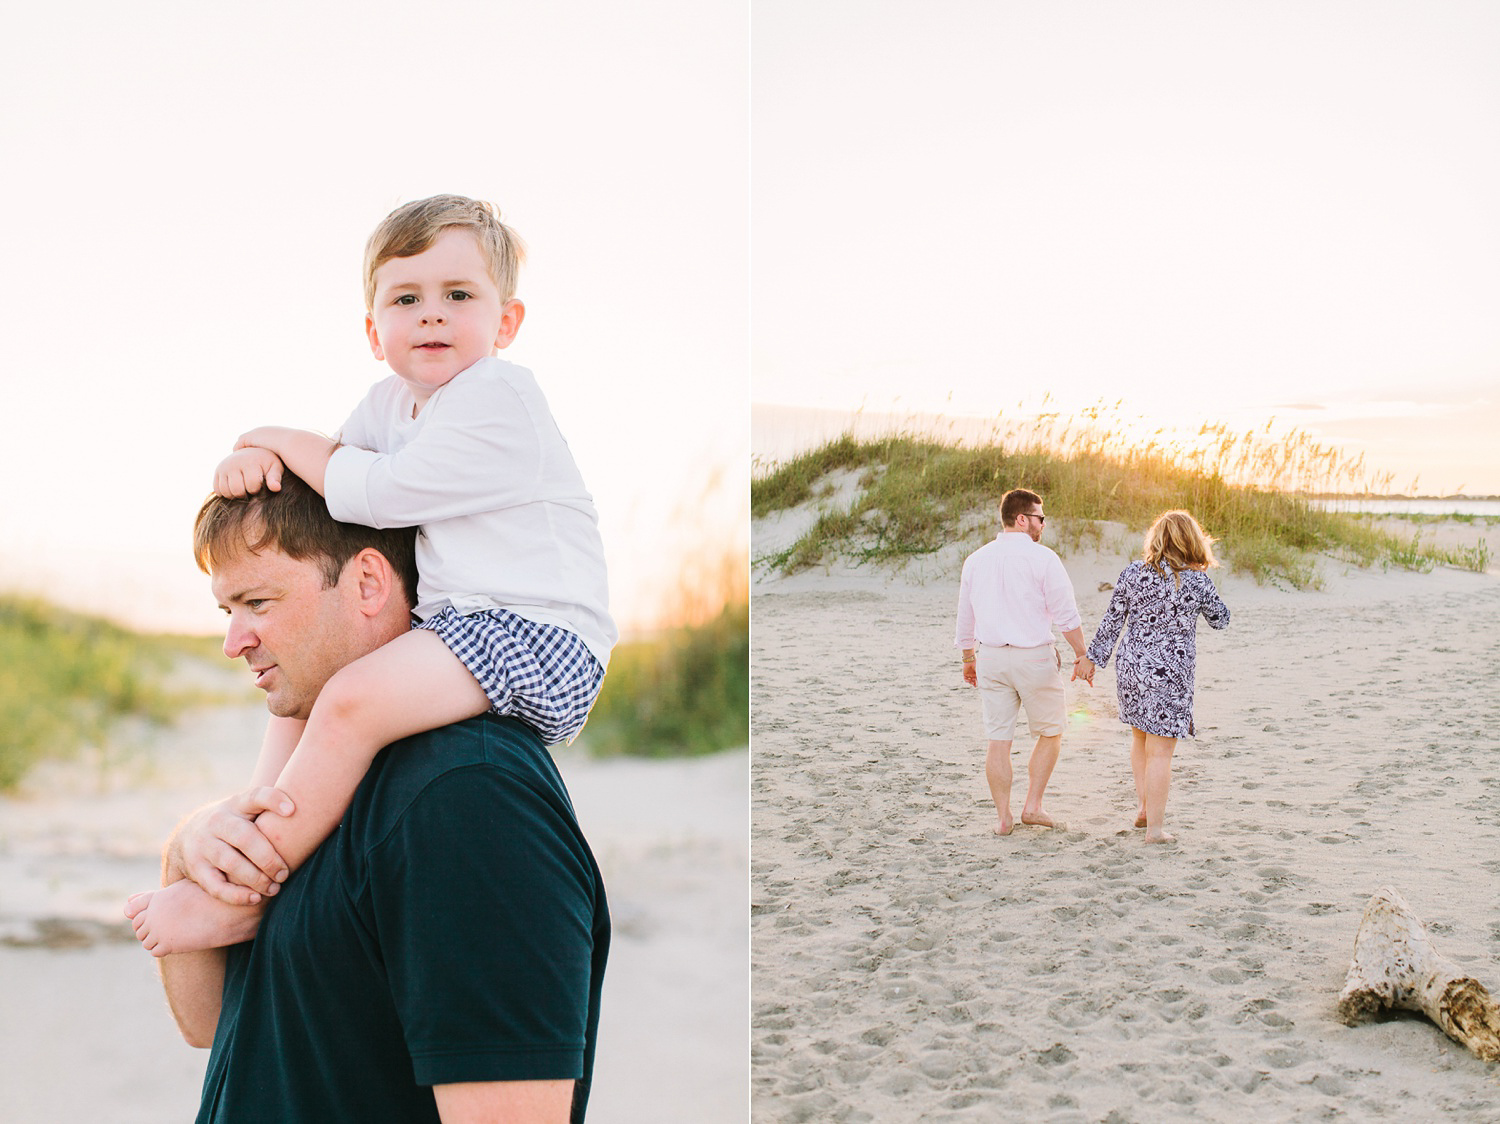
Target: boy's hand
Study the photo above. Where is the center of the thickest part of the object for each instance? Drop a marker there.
(220, 848)
(243, 472)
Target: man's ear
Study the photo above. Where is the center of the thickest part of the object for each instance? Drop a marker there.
(510, 323)
(376, 581)
(374, 338)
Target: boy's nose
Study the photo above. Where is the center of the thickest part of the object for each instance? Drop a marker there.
(432, 318)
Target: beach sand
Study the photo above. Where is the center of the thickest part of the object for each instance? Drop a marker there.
(908, 964)
(84, 1030)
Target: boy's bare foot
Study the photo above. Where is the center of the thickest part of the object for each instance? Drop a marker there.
(1159, 836)
(1037, 818)
(182, 918)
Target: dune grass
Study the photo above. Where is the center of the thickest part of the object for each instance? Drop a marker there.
(66, 678)
(685, 691)
(1250, 490)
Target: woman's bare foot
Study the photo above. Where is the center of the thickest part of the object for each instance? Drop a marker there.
(1005, 826)
(1140, 817)
(1159, 836)
(1037, 818)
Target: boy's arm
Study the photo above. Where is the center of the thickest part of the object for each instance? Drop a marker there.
(411, 684)
(304, 452)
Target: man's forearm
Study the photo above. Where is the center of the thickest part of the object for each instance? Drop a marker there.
(1074, 637)
(193, 981)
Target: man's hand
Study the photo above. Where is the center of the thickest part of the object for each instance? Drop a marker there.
(971, 676)
(220, 848)
(244, 471)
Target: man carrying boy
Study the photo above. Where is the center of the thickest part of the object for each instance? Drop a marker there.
(1013, 590)
(440, 956)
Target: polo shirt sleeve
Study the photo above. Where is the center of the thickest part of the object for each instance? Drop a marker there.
(483, 895)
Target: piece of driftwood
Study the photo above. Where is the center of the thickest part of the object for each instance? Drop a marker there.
(1395, 965)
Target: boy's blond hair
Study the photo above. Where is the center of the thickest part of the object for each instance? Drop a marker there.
(413, 227)
(1177, 539)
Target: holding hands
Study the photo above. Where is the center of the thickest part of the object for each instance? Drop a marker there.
(1083, 668)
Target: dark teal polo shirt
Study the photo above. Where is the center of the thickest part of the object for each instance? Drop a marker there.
(453, 928)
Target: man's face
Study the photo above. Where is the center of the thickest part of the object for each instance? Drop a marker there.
(438, 313)
(292, 631)
(1032, 522)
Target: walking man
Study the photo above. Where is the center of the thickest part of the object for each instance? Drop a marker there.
(1013, 591)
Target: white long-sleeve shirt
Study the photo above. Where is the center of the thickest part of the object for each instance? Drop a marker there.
(506, 521)
(1012, 591)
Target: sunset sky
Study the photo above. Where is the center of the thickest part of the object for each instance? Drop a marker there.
(188, 190)
(1210, 212)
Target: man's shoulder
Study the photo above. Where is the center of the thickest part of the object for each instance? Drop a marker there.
(506, 750)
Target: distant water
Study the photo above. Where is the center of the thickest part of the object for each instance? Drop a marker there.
(1401, 505)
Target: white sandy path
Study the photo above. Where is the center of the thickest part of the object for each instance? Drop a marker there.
(908, 964)
(84, 1032)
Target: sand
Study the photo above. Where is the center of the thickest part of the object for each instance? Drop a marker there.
(908, 964)
(84, 1031)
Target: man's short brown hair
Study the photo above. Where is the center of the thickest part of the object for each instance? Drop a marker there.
(412, 228)
(1015, 503)
(295, 521)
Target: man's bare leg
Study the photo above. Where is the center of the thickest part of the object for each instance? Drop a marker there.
(1138, 768)
(1039, 772)
(998, 771)
(1158, 779)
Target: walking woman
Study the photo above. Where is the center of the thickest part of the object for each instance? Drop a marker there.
(1158, 600)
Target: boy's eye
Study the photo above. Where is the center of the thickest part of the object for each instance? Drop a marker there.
(458, 295)
(406, 298)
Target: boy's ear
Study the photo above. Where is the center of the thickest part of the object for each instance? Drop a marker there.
(374, 338)
(510, 323)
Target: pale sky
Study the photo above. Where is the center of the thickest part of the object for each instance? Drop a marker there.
(1225, 211)
(188, 189)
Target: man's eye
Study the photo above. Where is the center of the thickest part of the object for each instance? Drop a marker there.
(254, 604)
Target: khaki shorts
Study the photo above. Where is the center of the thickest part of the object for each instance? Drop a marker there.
(1010, 678)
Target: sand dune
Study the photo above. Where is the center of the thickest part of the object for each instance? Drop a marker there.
(908, 964)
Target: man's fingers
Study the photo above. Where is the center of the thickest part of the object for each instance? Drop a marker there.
(215, 886)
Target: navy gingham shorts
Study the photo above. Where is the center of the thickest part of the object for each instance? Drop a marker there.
(540, 673)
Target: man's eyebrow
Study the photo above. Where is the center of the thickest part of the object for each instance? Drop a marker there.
(242, 595)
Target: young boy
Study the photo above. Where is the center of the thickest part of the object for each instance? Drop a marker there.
(512, 598)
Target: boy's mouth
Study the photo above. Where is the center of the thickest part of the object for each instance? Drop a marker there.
(432, 346)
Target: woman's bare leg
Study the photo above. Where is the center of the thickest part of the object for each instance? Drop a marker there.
(1138, 769)
(1158, 780)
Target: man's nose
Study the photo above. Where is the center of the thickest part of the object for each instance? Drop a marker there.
(238, 639)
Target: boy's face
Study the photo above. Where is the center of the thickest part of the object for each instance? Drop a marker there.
(438, 312)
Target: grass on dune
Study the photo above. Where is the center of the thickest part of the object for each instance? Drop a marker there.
(65, 678)
(685, 691)
(918, 493)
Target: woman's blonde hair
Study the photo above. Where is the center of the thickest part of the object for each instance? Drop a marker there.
(1177, 540)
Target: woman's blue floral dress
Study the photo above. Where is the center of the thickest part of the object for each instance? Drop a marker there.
(1154, 675)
